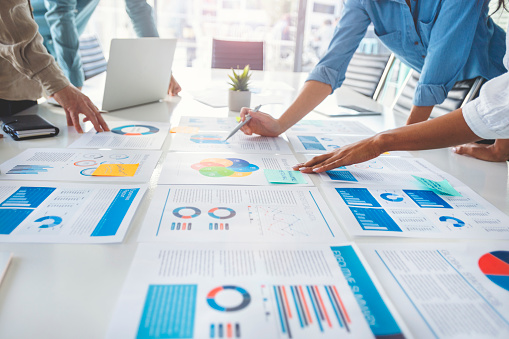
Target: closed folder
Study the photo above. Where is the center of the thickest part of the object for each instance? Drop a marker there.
(25, 127)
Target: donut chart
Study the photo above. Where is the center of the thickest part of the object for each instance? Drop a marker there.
(88, 171)
(50, 221)
(211, 298)
(85, 163)
(131, 130)
(231, 213)
(452, 220)
(495, 265)
(178, 212)
(391, 197)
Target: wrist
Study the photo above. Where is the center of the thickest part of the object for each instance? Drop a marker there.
(384, 142)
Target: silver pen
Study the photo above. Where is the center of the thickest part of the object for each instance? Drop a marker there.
(239, 126)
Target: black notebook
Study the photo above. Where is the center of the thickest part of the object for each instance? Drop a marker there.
(25, 127)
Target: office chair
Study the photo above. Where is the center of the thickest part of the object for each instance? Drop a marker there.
(92, 57)
(462, 92)
(367, 73)
(233, 54)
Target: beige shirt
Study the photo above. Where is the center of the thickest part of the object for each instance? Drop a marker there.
(26, 68)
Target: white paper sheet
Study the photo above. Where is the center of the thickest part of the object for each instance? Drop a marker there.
(66, 213)
(126, 135)
(341, 126)
(209, 124)
(61, 164)
(312, 143)
(238, 143)
(223, 168)
(239, 214)
(416, 212)
(446, 290)
(387, 171)
(239, 291)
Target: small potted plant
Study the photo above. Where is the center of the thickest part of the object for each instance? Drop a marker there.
(239, 95)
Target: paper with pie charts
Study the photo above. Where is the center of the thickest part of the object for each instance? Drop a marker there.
(61, 164)
(413, 211)
(238, 143)
(252, 291)
(223, 169)
(66, 213)
(250, 214)
(313, 143)
(446, 290)
(126, 135)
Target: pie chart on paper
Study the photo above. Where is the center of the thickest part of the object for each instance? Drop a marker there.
(495, 265)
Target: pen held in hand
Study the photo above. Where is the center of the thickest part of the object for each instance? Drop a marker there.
(239, 126)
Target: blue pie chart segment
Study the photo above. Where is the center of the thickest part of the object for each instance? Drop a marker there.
(211, 298)
(391, 197)
(228, 213)
(49, 221)
(454, 221)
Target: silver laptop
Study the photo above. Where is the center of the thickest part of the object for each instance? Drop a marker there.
(139, 72)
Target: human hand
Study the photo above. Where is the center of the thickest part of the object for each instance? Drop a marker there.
(75, 103)
(260, 123)
(499, 151)
(174, 87)
(355, 153)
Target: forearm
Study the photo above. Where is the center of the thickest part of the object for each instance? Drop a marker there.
(142, 18)
(447, 130)
(419, 114)
(61, 18)
(312, 94)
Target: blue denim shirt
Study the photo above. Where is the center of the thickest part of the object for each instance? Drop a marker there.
(445, 40)
(61, 22)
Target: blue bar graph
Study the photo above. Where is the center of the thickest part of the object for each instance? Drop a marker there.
(29, 169)
(427, 199)
(311, 143)
(357, 197)
(374, 219)
(341, 176)
(30, 197)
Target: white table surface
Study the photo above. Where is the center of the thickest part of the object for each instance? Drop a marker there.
(70, 291)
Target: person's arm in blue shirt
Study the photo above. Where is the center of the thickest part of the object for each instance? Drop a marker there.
(328, 75)
(450, 43)
(61, 19)
(144, 25)
(142, 18)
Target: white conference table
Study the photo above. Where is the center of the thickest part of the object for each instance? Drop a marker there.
(70, 291)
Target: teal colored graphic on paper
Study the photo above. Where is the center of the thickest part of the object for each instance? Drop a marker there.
(169, 312)
(440, 187)
(284, 177)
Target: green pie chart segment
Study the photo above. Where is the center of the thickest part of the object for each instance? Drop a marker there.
(215, 171)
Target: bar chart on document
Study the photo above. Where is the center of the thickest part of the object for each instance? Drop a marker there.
(205, 213)
(238, 291)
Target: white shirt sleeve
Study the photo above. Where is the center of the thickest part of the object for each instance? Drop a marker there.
(488, 115)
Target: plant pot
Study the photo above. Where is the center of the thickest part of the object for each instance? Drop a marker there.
(238, 99)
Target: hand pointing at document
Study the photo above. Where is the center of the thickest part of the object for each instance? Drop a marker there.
(260, 123)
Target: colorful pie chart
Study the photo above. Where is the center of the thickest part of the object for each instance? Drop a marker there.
(391, 197)
(229, 167)
(186, 212)
(452, 220)
(222, 213)
(495, 265)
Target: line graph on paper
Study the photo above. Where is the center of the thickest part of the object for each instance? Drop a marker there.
(280, 220)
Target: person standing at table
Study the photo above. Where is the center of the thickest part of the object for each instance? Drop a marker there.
(26, 69)
(446, 41)
(485, 117)
(61, 22)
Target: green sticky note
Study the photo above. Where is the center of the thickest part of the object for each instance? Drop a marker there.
(284, 177)
(440, 187)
